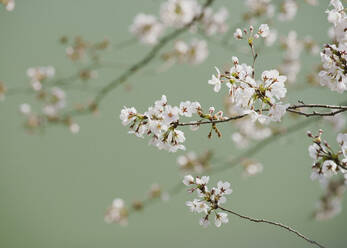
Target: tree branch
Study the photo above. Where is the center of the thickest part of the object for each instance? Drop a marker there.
(273, 223)
(292, 109)
(142, 63)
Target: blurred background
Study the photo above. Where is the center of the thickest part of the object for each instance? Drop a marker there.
(55, 186)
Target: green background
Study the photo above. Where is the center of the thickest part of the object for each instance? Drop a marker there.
(55, 187)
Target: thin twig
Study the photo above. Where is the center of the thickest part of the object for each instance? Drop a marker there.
(292, 109)
(275, 224)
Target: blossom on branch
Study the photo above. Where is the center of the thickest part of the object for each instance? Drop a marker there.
(208, 201)
(160, 122)
(334, 56)
(146, 28)
(327, 162)
(9, 4)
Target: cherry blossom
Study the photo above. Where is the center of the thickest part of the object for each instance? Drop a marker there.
(146, 28)
(179, 12)
(327, 162)
(208, 201)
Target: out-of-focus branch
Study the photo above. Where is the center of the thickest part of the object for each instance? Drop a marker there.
(132, 70)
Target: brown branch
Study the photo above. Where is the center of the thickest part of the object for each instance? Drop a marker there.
(273, 223)
(317, 106)
(210, 122)
(292, 109)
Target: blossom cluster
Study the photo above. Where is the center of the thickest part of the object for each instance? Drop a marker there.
(327, 162)
(38, 75)
(293, 47)
(338, 122)
(251, 96)
(117, 213)
(9, 4)
(251, 167)
(215, 22)
(194, 53)
(79, 49)
(334, 56)
(266, 8)
(208, 201)
(288, 10)
(259, 8)
(176, 14)
(247, 129)
(195, 163)
(161, 121)
(263, 31)
(330, 204)
(53, 100)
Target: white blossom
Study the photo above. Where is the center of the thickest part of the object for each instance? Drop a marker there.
(194, 53)
(264, 30)
(314, 151)
(171, 114)
(204, 221)
(260, 8)
(74, 128)
(9, 4)
(271, 38)
(215, 23)
(334, 64)
(327, 162)
(25, 108)
(291, 62)
(221, 218)
(160, 123)
(245, 92)
(209, 200)
(216, 81)
(202, 180)
(117, 213)
(188, 180)
(38, 74)
(238, 34)
(127, 115)
(193, 205)
(288, 10)
(277, 111)
(197, 52)
(224, 188)
(178, 13)
(252, 168)
(338, 122)
(333, 56)
(146, 28)
(342, 141)
(329, 168)
(336, 14)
